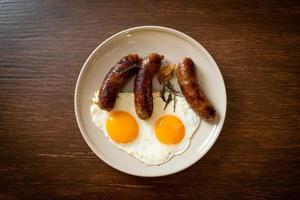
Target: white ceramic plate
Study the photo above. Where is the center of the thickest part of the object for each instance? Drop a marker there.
(174, 45)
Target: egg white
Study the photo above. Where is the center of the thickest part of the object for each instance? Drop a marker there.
(146, 147)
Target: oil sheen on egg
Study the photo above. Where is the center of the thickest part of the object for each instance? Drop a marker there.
(152, 141)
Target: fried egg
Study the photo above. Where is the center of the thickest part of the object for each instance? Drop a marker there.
(153, 141)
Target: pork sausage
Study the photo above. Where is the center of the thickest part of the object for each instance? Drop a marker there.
(116, 78)
(143, 98)
(192, 91)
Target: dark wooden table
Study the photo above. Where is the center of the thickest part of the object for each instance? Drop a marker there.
(43, 45)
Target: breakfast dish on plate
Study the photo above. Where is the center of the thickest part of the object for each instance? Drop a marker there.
(145, 113)
(152, 126)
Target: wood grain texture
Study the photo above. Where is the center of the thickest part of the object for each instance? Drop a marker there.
(43, 45)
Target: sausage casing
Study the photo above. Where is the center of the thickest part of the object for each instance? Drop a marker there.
(192, 91)
(115, 79)
(143, 98)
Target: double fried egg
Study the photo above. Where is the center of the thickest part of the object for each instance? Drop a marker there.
(153, 141)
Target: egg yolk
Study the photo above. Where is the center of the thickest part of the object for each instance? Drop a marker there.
(121, 127)
(169, 129)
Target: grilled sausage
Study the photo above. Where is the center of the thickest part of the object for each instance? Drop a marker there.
(191, 90)
(143, 98)
(116, 78)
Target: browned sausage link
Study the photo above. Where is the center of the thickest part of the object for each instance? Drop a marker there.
(116, 78)
(191, 90)
(143, 98)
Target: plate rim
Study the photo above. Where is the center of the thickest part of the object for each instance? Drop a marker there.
(117, 35)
